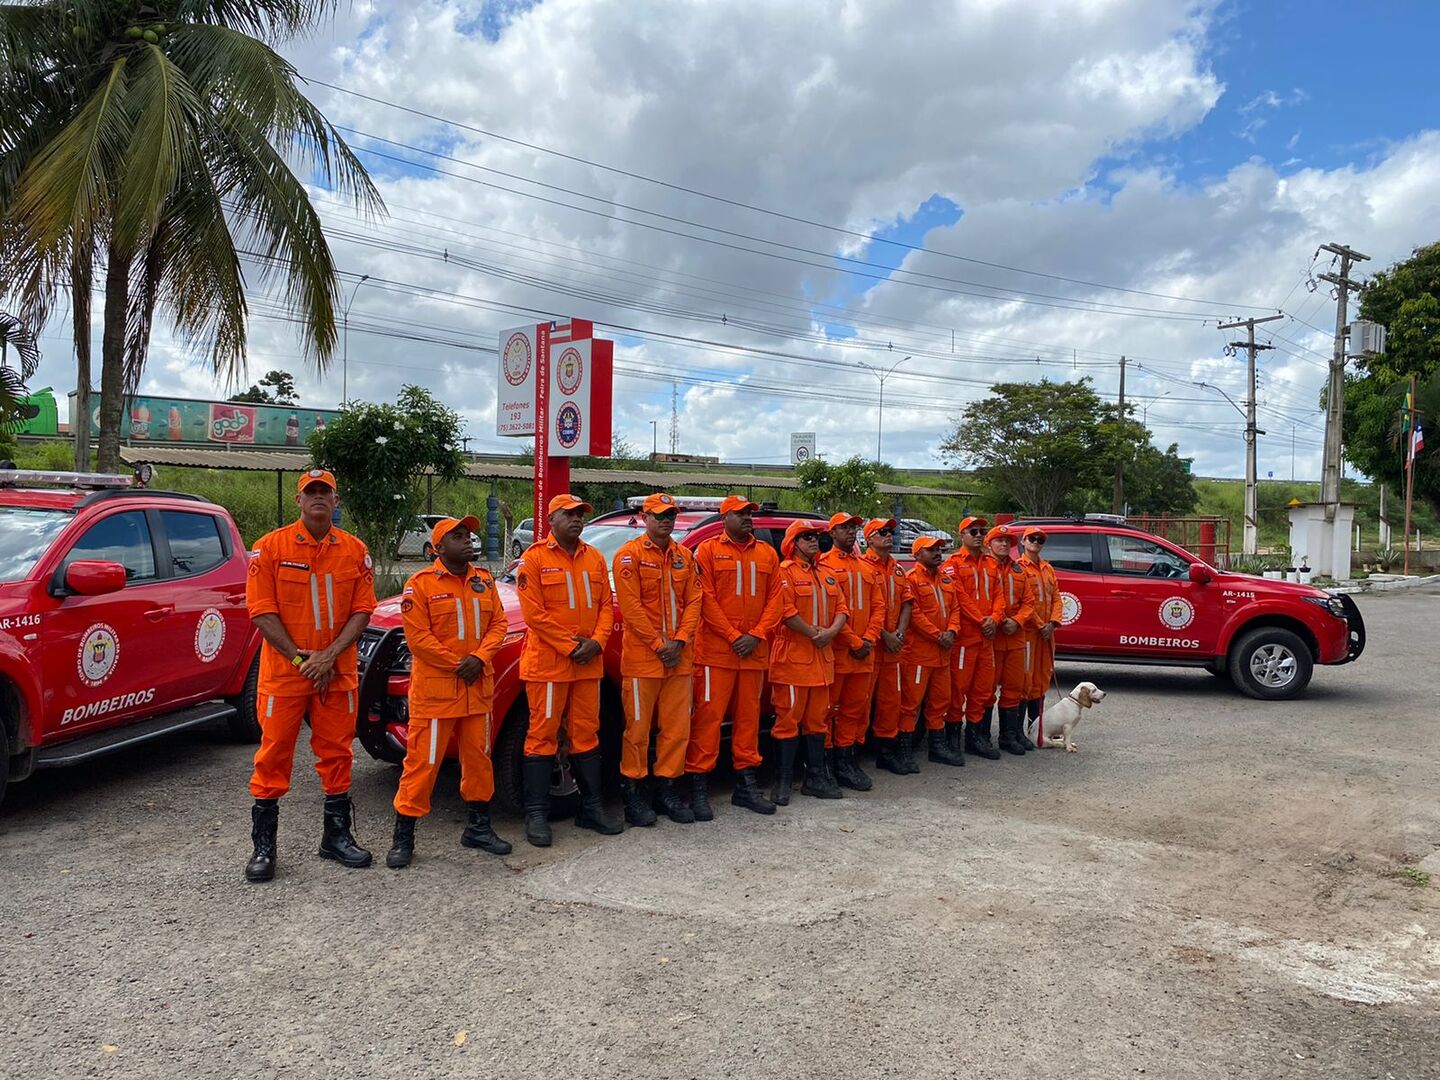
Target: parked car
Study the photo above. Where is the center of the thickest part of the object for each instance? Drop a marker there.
(122, 618)
(910, 528)
(415, 544)
(521, 537)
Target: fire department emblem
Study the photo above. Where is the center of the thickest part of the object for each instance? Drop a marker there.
(515, 360)
(1177, 613)
(99, 650)
(1070, 608)
(569, 371)
(568, 425)
(209, 635)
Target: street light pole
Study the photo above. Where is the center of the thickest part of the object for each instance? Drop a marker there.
(654, 439)
(345, 342)
(1145, 404)
(882, 376)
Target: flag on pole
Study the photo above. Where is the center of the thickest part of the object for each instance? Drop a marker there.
(1417, 443)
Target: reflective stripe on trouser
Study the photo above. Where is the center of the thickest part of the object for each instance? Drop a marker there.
(1012, 675)
(887, 700)
(799, 709)
(1042, 666)
(663, 704)
(575, 704)
(332, 730)
(972, 681)
(719, 691)
(930, 685)
(425, 748)
(850, 707)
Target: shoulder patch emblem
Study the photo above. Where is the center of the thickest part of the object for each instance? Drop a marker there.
(407, 604)
(478, 585)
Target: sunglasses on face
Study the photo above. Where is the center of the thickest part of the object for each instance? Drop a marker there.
(807, 536)
(974, 532)
(883, 532)
(1038, 541)
(668, 515)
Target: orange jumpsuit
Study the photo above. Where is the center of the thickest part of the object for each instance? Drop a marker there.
(887, 664)
(1013, 652)
(924, 665)
(863, 586)
(447, 618)
(1048, 608)
(659, 598)
(801, 672)
(737, 583)
(563, 598)
(314, 587)
(972, 673)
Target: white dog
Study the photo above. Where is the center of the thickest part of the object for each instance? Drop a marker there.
(1062, 718)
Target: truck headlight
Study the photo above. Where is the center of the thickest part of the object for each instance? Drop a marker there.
(1331, 604)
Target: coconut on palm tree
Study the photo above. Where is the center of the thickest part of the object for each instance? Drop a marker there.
(144, 148)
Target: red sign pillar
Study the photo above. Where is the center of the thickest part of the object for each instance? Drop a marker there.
(552, 474)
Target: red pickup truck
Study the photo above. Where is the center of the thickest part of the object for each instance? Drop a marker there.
(122, 618)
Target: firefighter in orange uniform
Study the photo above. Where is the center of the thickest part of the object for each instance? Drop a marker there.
(880, 538)
(659, 598)
(863, 586)
(738, 581)
(1012, 649)
(925, 659)
(310, 591)
(454, 626)
(972, 675)
(809, 614)
(564, 590)
(1049, 611)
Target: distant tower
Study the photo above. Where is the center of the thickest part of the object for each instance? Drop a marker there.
(674, 418)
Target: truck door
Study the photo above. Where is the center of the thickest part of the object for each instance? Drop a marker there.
(1082, 592)
(205, 638)
(1153, 608)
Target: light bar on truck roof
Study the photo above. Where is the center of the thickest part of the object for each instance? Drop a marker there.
(56, 478)
(682, 502)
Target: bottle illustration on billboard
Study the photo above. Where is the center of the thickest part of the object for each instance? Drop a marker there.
(176, 428)
(292, 430)
(140, 422)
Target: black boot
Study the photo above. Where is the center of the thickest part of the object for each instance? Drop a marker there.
(337, 843)
(818, 781)
(941, 751)
(848, 772)
(402, 847)
(785, 770)
(904, 754)
(264, 823)
(668, 802)
(637, 805)
(480, 834)
(888, 758)
(1009, 719)
(700, 797)
(592, 810)
(747, 793)
(1030, 709)
(955, 738)
(977, 739)
(536, 773)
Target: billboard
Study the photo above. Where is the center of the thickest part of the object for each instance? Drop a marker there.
(181, 420)
(515, 401)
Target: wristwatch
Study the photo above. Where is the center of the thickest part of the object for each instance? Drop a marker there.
(297, 660)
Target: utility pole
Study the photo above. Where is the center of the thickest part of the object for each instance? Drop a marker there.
(1335, 396)
(1252, 500)
(1409, 467)
(1117, 500)
(674, 418)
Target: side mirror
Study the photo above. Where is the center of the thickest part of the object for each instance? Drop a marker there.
(1200, 574)
(94, 577)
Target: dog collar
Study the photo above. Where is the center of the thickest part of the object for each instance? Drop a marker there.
(1072, 697)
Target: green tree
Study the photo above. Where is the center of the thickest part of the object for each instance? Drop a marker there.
(18, 343)
(1406, 299)
(145, 143)
(852, 487)
(379, 453)
(275, 388)
(1158, 483)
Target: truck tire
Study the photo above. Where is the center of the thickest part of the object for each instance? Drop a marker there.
(1270, 663)
(245, 723)
(507, 759)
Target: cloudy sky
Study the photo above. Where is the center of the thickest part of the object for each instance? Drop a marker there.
(754, 197)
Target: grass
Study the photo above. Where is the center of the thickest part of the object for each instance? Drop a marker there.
(1413, 876)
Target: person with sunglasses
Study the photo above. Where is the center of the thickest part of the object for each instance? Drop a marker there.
(925, 658)
(863, 587)
(880, 539)
(1049, 609)
(1012, 648)
(972, 672)
(809, 615)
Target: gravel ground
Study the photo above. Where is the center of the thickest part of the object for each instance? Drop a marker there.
(1211, 888)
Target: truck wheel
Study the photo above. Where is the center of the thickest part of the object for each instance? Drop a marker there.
(1270, 663)
(507, 759)
(245, 724)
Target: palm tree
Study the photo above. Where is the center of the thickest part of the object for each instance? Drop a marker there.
(14, 334)
(151, 145)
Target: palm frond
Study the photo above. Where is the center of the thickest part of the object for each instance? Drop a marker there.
(18, 339)
(272, 20)
(163, 144)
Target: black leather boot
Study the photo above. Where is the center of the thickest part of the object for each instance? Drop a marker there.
(668, 802)
(955, 738)
(592, 809)
(700, 796)
(887, 758)
(785, 770)
(264, 823)
(747, 793)
(1031, 710)
(848, 772)
(480, 834)
(904, 754)
(977, 738)
(337, 842)
(941, 751)
(637, 805)
(818, 781)
(402, 845)
(1009, 719)
(536, 773)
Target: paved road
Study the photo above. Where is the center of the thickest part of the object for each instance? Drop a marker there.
(1211, 888)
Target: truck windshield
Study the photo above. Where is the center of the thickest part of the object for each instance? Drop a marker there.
(25, 535)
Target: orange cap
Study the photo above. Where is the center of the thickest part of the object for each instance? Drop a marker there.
(316, 476)
(470, 521)
(920, 543)
(795, 528)
(659, 504)
(1034, 530)
(567, 502)
(880, 523)
(732, 503)
(971, 522)
(846, 519)
(998, 532)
